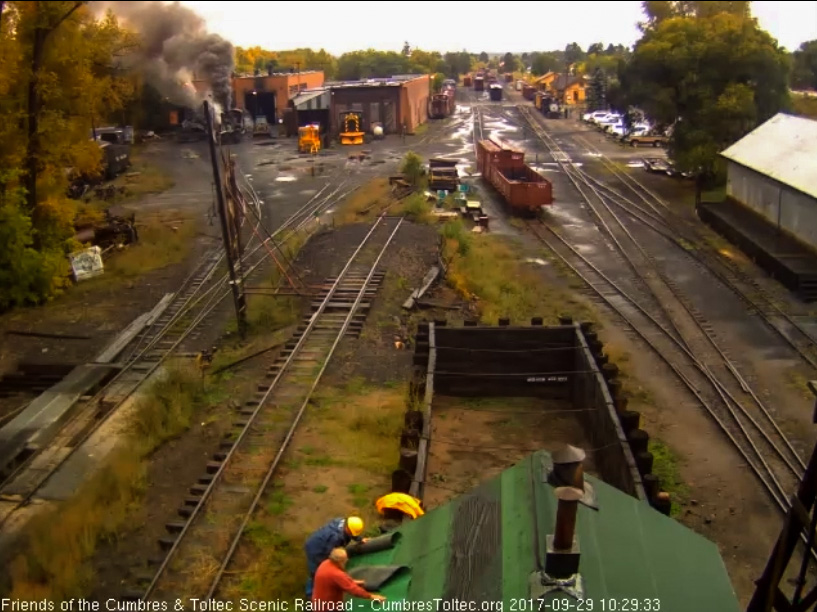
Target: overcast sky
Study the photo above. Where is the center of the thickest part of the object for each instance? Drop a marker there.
(452, 26)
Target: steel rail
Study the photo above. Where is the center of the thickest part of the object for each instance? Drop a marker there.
(211, 486)
(274, 466)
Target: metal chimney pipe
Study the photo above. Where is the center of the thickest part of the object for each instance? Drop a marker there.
(566, 517)
(578, 477)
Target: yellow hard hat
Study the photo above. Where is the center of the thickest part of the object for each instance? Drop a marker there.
(355, 525)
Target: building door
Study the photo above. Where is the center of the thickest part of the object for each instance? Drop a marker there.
(389, 118)
(374, 112)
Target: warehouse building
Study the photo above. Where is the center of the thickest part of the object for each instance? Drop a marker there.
(770, 211)
(773, 171)
(394, 102)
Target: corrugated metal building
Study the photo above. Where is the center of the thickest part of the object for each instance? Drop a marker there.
(773, 171)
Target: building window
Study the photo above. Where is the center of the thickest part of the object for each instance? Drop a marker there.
(293, 89)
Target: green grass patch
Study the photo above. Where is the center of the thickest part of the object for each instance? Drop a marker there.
(53, 564)
(365, 203)
(666, 467)
(490, 270)
(144, 178)
(164, 239)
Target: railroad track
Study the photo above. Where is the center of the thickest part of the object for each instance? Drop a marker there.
(680, 337)
(225, 499)
(678, 230)
(199, 296)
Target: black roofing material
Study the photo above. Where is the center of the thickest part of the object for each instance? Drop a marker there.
(373, 545)
(375, 576)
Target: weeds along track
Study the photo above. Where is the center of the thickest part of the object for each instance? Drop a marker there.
(658, 215)
(197, 298)
(677, 333)
(200, 549)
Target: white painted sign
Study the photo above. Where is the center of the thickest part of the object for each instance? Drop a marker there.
(87, 264)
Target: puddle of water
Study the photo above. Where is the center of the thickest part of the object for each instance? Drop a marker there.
(585, 249)
(635, 164)
(561, 212)
(593, 154)
(536, 260)
(286, 179)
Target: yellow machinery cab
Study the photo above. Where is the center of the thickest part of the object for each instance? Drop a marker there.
(350, 132)
(309, 138)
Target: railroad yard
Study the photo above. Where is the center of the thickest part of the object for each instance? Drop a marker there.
(218, 455)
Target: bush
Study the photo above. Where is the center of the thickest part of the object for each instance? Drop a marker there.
(28, 276)
(417, 209)
(412, 168)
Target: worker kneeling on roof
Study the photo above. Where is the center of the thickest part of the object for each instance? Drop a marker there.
(332, 581)
(338, 533)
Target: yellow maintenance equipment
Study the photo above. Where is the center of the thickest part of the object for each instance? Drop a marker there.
(402, 502)
(309, 138)
(350, 133)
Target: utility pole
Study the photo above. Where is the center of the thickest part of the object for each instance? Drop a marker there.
(238, 293)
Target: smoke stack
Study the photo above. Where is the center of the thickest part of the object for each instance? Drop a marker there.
(562, 559)
(568, 470)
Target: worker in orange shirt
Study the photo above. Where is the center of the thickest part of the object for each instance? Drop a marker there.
(332, 581)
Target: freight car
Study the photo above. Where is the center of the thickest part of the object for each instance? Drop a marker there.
(479, 83)
(441, 105)
(466, 80)
(528, 92)
(495, 91)
(524, 190)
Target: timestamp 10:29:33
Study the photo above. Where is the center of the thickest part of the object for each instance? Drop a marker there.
(570, 604)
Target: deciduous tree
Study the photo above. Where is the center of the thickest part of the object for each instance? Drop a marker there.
(804, 74)
(58, 76)
(713, 79)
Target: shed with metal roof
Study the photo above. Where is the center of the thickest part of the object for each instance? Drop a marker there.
(495, 546)
(773, 171)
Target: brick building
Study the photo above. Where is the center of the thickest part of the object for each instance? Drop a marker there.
(269, 94)
(394, 102)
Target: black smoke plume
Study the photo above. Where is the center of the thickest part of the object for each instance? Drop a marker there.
(175, 47)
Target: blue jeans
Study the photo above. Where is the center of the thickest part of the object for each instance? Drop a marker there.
(312, 567)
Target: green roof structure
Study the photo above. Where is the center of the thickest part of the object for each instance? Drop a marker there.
(483, 547)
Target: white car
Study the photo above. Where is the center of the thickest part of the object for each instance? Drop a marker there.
(594, 116)
(610, 119)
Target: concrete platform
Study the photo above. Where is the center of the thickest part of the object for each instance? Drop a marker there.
(779, 254)
(35, 426)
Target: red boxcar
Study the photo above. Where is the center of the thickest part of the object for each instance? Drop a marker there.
(466, 80)
(523, 189)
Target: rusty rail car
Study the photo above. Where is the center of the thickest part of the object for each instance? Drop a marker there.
(441, 105)
(523, 189)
